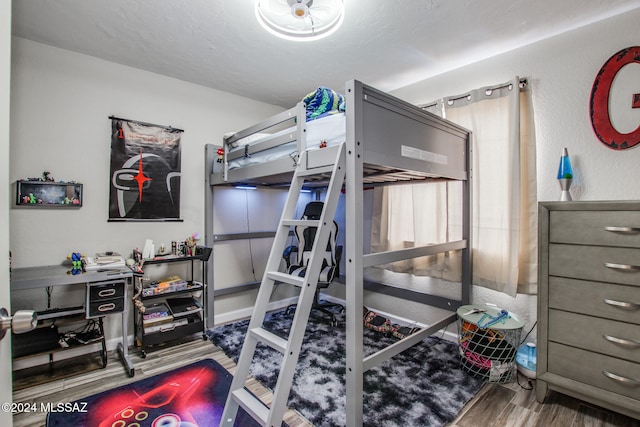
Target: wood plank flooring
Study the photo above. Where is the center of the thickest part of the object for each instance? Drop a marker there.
(496, 405)
(511, 405)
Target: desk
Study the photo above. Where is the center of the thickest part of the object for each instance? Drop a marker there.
(59, 275)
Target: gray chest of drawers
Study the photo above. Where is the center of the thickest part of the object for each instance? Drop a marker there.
(589, 303)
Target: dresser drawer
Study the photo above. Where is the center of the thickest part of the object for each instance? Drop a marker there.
(617, 339)
(590, 263)
(604, 372)
(608, 300)
(602, 228)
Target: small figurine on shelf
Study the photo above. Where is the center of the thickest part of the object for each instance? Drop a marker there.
(220, 155)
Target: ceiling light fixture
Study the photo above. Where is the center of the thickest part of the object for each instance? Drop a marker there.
(300, 20)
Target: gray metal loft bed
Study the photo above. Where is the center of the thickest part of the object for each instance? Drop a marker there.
(388, 141)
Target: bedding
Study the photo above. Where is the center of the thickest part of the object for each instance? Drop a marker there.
(323, 102)
(330, 128)
(326, 126)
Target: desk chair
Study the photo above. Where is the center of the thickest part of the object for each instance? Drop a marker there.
(297, 258)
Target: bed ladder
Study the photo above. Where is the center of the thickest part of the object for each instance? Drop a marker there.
(239, 396)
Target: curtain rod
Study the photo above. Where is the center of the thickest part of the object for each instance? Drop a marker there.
(146, 124)
(488, 90)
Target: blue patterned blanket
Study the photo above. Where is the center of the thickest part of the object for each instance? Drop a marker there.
(322, 102)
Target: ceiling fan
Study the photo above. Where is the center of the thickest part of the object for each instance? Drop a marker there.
(300, 20)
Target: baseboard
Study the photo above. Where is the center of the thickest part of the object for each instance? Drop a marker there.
(244, 313)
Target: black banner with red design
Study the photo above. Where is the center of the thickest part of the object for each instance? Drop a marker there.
(145, 172)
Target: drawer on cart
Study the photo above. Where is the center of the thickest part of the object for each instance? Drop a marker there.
(608, 300)
(602, 228)
(105, 307)
(105, 298)
(604, 372)
(597, 263)
(107, 290)
(618, 339)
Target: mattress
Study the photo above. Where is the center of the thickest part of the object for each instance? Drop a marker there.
(331, 129)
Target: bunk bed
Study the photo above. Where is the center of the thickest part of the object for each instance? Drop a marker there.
(387, 141)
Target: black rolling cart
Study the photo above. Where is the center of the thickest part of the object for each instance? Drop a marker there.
(172, 308)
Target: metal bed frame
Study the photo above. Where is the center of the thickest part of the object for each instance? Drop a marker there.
(387, 141)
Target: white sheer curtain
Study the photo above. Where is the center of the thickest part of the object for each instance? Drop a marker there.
(504, 197)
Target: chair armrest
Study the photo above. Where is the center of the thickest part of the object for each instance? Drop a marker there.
(286, 254)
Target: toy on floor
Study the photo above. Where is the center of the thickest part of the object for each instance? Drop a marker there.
(381, 324)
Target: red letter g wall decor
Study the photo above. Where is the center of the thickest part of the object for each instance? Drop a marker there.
(599, 102)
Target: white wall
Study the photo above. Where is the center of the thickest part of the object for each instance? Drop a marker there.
(561, 72)
(60, 104)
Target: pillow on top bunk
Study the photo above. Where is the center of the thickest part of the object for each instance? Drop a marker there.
(322, 102)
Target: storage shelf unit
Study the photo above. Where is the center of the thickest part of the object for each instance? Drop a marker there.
(176, 325)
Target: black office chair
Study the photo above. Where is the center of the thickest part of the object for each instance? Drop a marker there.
(297, 258)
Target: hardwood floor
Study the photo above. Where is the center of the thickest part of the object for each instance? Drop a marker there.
(511, 405)
(504, 405)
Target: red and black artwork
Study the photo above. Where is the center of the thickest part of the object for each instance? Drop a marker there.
(145, 172)
(190, 396)
(599, 102)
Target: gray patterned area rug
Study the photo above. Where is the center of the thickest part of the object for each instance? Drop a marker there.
(423, 386)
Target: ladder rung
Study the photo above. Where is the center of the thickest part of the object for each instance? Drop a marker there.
(269, 338)
(258, 410)
(316, 171)
(286, 278)
(301, 222)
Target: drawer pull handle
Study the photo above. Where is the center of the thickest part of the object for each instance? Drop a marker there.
(106, 307)
(622, 341)
(615, 229)
(622, 304)
(627, 267)
(106, 293)
(620, 378)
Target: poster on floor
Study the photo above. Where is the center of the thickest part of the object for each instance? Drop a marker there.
(145, 172)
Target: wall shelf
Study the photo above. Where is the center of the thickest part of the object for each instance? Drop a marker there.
(48, 194)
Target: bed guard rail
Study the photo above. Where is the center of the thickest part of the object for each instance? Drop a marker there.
(284, 127)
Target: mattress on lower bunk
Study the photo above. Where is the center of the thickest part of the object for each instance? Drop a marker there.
(330, 129)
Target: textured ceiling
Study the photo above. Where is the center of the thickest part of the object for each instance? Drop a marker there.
(218, 43)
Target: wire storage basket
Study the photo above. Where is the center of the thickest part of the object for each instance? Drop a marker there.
(488, 340)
